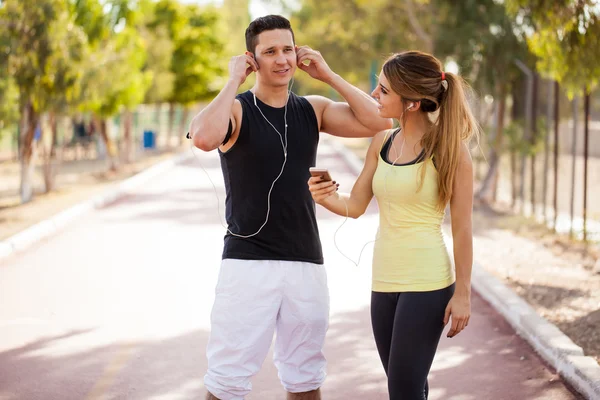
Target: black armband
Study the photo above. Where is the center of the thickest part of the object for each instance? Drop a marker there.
(227, 136)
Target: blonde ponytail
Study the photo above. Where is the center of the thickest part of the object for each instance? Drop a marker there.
(455, 125)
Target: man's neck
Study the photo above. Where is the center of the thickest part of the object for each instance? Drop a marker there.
(275, 96)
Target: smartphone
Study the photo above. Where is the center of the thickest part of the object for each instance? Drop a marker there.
(320, 172)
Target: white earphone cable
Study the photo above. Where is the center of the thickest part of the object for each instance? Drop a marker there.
(284, 143)
(356, 263)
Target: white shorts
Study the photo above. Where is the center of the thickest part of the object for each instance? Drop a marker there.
(255, 298)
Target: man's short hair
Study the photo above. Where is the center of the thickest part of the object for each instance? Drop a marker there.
(266, 23)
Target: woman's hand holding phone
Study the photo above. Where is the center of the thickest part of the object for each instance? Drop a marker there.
(321, 185)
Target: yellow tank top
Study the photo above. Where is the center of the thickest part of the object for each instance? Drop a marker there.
(409, 253)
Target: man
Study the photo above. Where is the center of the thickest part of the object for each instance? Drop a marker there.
(272, 276)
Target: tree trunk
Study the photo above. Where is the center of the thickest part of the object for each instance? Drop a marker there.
(417, 27)
(547, 149)
(50, 164)
(533, 140)
(586, 143)
(526, 135)
(513, 177)
(485, 192)
(556, 143)
(29, 121)
(573, 163)
(171, 121)
(516, 115)
(100, 124)
(127, 136)
(157, 122)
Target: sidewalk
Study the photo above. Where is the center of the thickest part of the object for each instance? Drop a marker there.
(132, 318)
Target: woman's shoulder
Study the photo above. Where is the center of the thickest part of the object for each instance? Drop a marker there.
(381, 136)
(378, 141)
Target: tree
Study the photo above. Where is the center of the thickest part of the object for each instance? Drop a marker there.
(9, 102)
(356, 36)
(565, 36)
(480, 37)
(41, 51)
(114, 78)
(198, 60)
(163, 26)
(235, 17)
(64, 72)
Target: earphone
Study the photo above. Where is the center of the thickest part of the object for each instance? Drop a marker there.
(283, 140)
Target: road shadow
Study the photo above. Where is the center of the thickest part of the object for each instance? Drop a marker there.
(487, 361)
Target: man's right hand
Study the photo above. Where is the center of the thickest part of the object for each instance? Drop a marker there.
(242, 66)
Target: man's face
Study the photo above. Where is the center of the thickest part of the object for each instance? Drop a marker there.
(275, 54)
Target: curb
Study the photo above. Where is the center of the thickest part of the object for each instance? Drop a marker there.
(557, 349)
(45, 228)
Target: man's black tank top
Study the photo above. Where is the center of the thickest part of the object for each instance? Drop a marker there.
(249, 168)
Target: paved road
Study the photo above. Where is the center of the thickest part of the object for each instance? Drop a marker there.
(117, 307)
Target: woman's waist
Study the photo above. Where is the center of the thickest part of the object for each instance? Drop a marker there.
(425, 261)
(411, 231)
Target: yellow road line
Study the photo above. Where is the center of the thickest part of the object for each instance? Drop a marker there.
(118, 361)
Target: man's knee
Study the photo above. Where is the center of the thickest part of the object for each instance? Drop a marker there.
(312, 395)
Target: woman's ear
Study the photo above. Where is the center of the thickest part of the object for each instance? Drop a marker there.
(413, 106)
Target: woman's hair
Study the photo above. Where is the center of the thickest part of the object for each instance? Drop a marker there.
(417, 76)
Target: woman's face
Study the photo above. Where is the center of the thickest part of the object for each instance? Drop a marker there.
(390, 103)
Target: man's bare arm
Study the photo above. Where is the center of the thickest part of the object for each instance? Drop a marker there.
(209, 128)
(359, 117)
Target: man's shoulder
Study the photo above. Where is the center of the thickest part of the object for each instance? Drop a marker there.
(315, 99)
(317, 102)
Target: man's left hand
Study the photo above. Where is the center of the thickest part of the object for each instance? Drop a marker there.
(317, 68)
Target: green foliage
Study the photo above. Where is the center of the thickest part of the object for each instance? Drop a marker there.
(42, 50)
(89, 15)
(9, 103)
(478, 35)
(235, 18)
(351, 34)
(198, 59)
(114, 77)
(160, 49)
(565, 36)
(168, 14)
(481, 38)
(517, 142)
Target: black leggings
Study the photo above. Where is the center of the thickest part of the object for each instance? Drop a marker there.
(407, 328)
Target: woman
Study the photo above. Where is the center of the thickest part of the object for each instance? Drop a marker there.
(414, 172)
